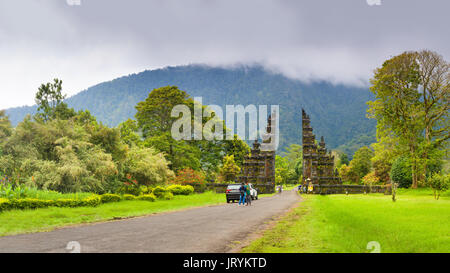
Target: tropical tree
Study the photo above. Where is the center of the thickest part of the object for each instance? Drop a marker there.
(49, 100)
(412, 104)
(229, 170)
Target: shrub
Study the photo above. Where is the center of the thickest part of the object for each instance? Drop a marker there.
(107, 198)
(92, 201)
(147, 197)
(130, 187)
(181, 190)
(167, 196)
(4, 204)
(159, 191)
(371, 179)
(67, 203)
(145, 190)
(190, 177)
(147, 166)
(439, 183)
(401, 172)
(128, 197)
(30, 203)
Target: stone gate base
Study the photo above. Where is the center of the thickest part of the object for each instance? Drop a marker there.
(351, 189)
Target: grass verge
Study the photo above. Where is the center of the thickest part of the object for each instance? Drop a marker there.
(341, 223)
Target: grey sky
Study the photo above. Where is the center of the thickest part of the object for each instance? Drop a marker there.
(341, 41)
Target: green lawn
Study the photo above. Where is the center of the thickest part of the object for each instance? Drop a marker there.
(341, 223)
(45, 219)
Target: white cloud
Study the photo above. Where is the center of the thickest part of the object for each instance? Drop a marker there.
(339, 41)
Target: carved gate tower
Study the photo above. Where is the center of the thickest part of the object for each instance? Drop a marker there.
(318, 165)
(259, 166)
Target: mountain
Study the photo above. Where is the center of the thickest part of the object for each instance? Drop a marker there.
(337, 112)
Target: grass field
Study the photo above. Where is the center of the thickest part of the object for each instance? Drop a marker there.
(341, 223)
(45, 219)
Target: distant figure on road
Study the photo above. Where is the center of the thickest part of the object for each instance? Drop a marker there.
(242, 192)
(248, 197)
(280, 188)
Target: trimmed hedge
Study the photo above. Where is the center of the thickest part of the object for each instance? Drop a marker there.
(167, 196)
(128, 197)
(147, 197)
(31, 203)
(159, 191)
(181, 190)
(108, 198)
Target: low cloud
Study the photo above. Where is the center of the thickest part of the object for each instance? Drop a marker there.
(338, 41)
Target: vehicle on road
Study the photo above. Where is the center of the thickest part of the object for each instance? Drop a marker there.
(232, 193)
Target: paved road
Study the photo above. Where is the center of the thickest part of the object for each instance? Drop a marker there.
(206, 229)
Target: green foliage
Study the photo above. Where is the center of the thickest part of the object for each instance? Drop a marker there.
(401, 172)
(32, 203)
(281, 170)
(50, 103)
(229, 170)
(147, 197)
(167, 196)
(128, 133)
(190, 177)
(108, 197)
(130, 187)
(147, 166)
(439, 183)
(412, 104)
(181, 190)
(361, 162)
(4, 204)
(128, 197)
(5, 129)
(343, 160)
(159, 191)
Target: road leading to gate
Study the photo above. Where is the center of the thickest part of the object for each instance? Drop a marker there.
(206, 229)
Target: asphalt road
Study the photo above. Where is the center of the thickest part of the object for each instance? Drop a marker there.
(206, 229)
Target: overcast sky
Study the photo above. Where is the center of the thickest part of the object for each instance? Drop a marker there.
(341, 41)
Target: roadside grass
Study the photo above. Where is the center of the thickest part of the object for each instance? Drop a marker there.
(25, 221)
(346, 223)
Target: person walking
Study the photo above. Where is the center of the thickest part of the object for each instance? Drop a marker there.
(242, 194)
(248, 196)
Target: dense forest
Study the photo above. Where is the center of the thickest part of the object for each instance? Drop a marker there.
(337, 112)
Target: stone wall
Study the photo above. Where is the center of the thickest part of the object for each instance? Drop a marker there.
(351, 189)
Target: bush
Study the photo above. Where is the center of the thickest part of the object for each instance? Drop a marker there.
(145, 190)
(439, 183)
(130, 187)
(401, 172)
(107, 198)
(4, 204)
(128, 197)
(30, 203)
(147, 197)
(92, 201)
(190, 177)
(181, 190)
(159, 191)
(167, 196)
(67, 203)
